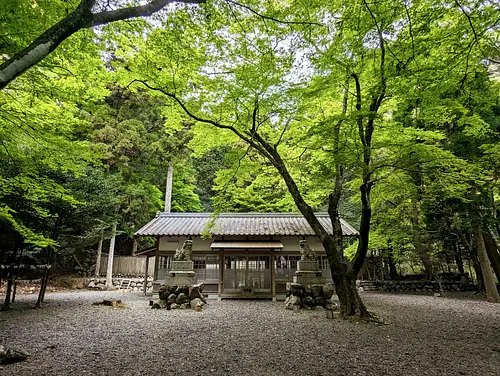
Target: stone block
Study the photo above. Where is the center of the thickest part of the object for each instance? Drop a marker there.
(306, 265)
(180, 280)
(182, 266)
(309, 279)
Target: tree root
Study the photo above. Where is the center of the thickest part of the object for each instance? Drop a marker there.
(371, 317)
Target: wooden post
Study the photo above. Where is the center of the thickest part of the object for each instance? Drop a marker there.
(221, 272)
(146, 276)
(157, 259)
(109, 272)
(273, 275)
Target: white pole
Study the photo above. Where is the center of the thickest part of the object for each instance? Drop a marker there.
(168, 189)
(109, 274)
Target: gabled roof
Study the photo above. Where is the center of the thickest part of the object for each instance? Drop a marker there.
(225, 224)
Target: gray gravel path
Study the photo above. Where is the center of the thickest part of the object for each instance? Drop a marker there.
(425, 336)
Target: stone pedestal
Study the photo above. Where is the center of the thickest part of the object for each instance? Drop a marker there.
(308, 273)
(182, 273)
(309, 288)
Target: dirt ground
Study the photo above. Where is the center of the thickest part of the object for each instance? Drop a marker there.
(425, 335)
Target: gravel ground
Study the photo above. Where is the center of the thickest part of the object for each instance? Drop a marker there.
(425, 336)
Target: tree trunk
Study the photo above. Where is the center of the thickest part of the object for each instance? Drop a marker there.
(111, 253)
(458, 258)
(364, 229)
(10, 276)
(45, 279)
(419, 245)
(99, 255)
(393, 272)
(492, 251)
(135, 244)
(479, 275)
(8, 292)
(489, 282)
(17, 276)
(168, 188)
(351, 304)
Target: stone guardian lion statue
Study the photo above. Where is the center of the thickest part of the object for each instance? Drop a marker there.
(306, 253)
(184, 254)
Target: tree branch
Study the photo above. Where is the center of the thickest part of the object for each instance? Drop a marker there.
(264, 17)
(82, 17)
(133, 12)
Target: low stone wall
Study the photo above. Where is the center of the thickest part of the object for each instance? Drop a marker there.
(137, 284)
(309, 296)
(415, 286)
(180, 297)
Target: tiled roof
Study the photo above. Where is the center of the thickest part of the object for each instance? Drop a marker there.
(225, 224)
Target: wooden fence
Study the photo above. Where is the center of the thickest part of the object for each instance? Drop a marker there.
(127, 265)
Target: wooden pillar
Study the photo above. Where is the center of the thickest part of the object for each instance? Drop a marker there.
(146, 276)
(221, 272)
(157, 259)
(273, 275)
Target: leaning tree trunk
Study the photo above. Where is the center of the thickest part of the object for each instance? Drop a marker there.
(492, 252)
(489, 282)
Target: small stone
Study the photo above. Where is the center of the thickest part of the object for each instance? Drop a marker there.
(159, 304)
(181, 298)
(174, 306)
(194, 292)
(328, 291)
(182, 289)
(163, 293)
(316, 291)
(197, 302)
(308, 301)
(294, 301)
(11, 356)
(185, 306)
(91, 285)
(319, 301)
(171, 298)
